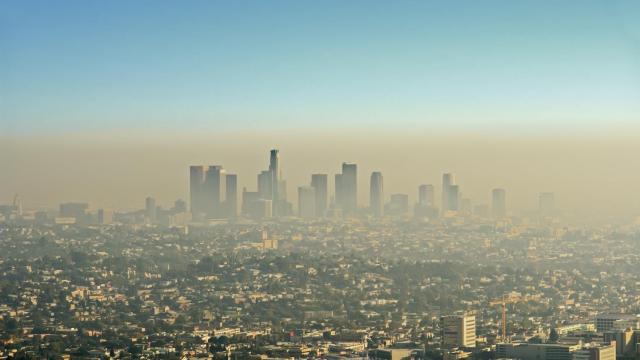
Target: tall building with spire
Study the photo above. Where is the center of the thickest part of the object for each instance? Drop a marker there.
(274, 169)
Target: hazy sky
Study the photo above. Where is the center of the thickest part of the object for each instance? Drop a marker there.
(208, 65)
(110, 101)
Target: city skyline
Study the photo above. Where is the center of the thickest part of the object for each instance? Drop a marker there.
(423, 162)
(319, 180)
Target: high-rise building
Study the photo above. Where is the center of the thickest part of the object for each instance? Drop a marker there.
(214, 185)
(426, 195)
(348, 198)
(376, 194)
(248, 197)
(271, 186)
(498, 203)
(547, 204)
(265, 187)
(339, 191)
(274, 168)
(426, 206)
(150, 209)
(196, 189)
(306, 202)
(319, 183)
(453, 196)
(231, 195)
(447, 182)
(458, 331)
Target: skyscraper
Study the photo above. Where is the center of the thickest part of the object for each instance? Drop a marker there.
(214, 184)
(265, 187)
(319, 183)
(274, 168)
(306, 202)
(231, 195)
(426, 206)
(339, 191)
(447, 182)
(453, 197)
(150, 209)
(376, 194)
(348, 189)
(498, 203)
(196, 187)
(426, 195)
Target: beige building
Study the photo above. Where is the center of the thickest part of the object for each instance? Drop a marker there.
(458, 331)
(596, 352)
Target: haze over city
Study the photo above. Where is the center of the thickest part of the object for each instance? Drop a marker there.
(330, 180)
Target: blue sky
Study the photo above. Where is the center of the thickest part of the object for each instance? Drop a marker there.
(92, 66)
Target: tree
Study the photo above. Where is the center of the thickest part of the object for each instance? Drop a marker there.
(553, 336)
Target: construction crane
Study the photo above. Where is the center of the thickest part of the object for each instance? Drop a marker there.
(509, 298)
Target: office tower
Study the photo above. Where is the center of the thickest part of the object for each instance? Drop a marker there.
(376, 194)
(447, 182)
(248, 197)
(547, 204)
(458, 331)
(426, 195)
(274, 168)
(426, 206)
(231, 195)
(348, 198)
(265, 187)
(306, 202)
(214, 185)
(498, 203)
(196, 189)
(150, 209)
(272, 187)
(319, 183)
(398, 205)
(339, 191)
(453, 196)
